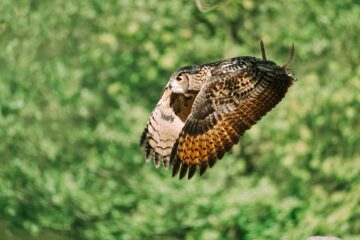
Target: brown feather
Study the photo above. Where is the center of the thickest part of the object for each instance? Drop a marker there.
(195, 126)
(164, 126)
(233, 111)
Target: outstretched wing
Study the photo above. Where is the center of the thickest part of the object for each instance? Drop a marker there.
(164, 126)
(226, 106)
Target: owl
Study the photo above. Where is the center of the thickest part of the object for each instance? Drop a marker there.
(205, 109)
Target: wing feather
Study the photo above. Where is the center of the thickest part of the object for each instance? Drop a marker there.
(164, 126)
(226, 106)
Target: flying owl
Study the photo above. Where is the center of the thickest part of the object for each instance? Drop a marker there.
(205, 109)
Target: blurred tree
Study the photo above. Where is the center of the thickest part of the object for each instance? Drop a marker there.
(79, 78)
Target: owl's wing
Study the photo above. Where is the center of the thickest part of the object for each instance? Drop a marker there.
(226, 106)
(164, 126)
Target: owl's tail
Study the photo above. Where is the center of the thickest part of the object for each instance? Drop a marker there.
(291, 56)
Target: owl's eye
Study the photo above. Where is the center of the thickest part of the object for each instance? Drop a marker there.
(179, 78)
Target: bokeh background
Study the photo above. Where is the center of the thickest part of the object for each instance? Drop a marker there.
(78, 80)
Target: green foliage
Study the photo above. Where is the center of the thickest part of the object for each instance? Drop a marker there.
(78, 80)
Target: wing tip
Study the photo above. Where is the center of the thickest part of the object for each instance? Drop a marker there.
(203, 168)
(143, 137)
(183, 171)
(192, 171)
(176, 168)
(157, 160)
(148, 153)
(166, 162)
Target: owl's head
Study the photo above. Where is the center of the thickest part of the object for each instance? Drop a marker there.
(189, 79)
(285, 66)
